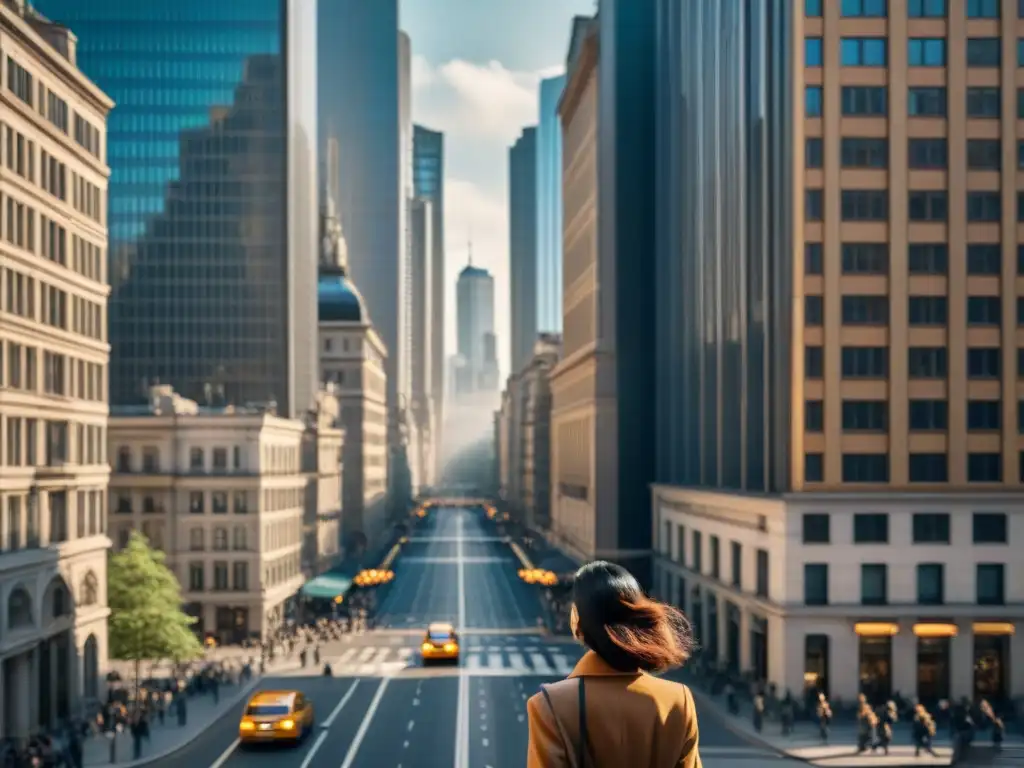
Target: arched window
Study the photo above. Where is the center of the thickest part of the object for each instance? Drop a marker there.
(196, 540)
(57, 602)
(19, 609)
(90, 592)
(220, 539)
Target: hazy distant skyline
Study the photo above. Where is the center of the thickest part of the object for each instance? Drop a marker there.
(476, 68)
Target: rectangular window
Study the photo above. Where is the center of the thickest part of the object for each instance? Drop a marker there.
(926, 102)
(865, 258)
(991, 584)
(928, 362)
(928, 259)
(814, 416)
(928, 415)
(814, 362)
(813, 258)
(865, 467)
(813, 153)
(716, 557)
(984, 259)
(736, 559)
(864, 204)
(874, 584)
(863, 100)
(812, 8)
(697, 550)
(865, 310)
(927, 153)
(983, 9)
(926, 9)
(814, 311)
(812, 101)
(928, 205)
(813, 52)
(984, 415)
(984, 103)
(816, 528)
(864, 153)
(927, 310)
(926, 52)
(865, 415)
(984, 311)
(989, 528)
(930, 584)
(863, 51)
(814, 205)
(984, 468)
(864, 8)
(983, 52)
(816, 583)
(761, 587)
(984, 206)
(931, 527)
(928, 468)
(864, 362)
(814, 467)
(983, 363)
(871, 528)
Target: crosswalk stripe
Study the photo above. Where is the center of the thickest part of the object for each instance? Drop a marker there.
(366, 655)
(517, 661)
(562, 665)
(344, 658)
(540, 664)
(386, 659)
(473, 662)
(494, 660)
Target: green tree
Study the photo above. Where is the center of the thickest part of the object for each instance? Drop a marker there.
(146, 620)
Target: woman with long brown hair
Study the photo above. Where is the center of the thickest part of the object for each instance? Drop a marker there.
(611, 711)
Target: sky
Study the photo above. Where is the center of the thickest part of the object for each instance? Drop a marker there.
(476, 66)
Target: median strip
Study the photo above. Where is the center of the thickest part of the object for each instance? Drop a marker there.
(523, 559)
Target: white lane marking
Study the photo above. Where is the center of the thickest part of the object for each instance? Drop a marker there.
(473, 661)
(357, 741)
(517, 661)
(405, 745)
(225, 754)
(366, 655)
(540, 664)
(494, 660)
(410, 725)
(462, 716)
(519, 717)
(313, 750)
(415, 702)
(486, 743)
(346, 656)
(329, 720)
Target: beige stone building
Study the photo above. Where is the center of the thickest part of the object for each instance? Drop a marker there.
(322, 448)
(584, 477)
(352, 361)
(53, 376)
(223, 493)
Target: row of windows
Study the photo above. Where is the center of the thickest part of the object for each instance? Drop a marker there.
(22, 524)
(926, 528)
(922, 154)
(922, 362)
(916, 9)
(982, 102)
(695, 560)
(989, 580)
(924, 415)
(239, 541)
(21, 298)
(922, 205)
(982, 259)
(51, 373)
(31, 442)
(218, 502)
(921, 52)
(923, 467)
(197, 576)
(982, 311)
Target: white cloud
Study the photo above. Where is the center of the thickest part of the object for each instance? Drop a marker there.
(475, 100)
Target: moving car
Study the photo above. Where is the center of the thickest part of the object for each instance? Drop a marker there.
(441, 643)
(276, 716)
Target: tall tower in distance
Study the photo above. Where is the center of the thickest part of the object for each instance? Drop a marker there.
(475, 299)
(522, 245)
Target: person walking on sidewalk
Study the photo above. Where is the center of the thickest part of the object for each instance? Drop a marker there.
(866, 720)
(611, 712)
(998, 726)
(787, 714)
(923, 730)
(824, 715)
(886, 721)
(758, 713)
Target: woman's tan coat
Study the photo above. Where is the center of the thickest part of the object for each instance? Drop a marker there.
(633, 719)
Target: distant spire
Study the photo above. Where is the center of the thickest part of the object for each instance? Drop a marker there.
(469, 246)
(333, 248)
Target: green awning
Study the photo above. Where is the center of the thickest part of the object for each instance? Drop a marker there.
(328, 586)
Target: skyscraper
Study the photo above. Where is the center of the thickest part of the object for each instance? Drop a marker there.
(428, 184)
(522, 250)
(361, 98)
(424, 415)
(212, 200)
(477, 343)
(549, 208)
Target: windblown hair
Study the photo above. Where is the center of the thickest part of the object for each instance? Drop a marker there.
(623, 626)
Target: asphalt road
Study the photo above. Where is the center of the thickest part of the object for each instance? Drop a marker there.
(384, 709)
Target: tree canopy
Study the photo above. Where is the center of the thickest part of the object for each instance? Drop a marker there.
(146, 619)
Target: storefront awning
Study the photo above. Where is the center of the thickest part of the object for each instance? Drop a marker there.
(328, 586)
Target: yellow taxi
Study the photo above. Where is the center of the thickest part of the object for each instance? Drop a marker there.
(441, 643)
(273, 716)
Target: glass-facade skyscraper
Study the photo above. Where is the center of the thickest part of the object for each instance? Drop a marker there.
(522, 246)
(549, 208)
(428, 184)
(212, 209)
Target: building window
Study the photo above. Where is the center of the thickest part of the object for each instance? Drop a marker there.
(864, 204)
(864, 362)
(984, 415)
(984, 468)
(928, 468)
(736, 558)
(814, 416)
(862, 51)
(928, 205)
(761, 588)
(816, 528)
(220, 576)
(865, 310)
(220, 539)
(926, 102)
(983, 9)
(124, 455)
(865, 258)
(814, 362)
(871, 528)
(865, 415)
(813, 153)
(991, 585)
(983, 52)
(241, 503)
(220, 459)
(195, 503)
(984, 259)
(816, 583)
(927, 9)
(814, 311)
(874, 584)
(697, 548)
(989, 528)
(865, 468)
(219, 502)
(864, 8)
(196, 540)
(240, 577)
(984, 154)
(928, 362)
(931, 527)
(864, 100)
(984, 103)
(812, 101)
(813, 258)
(813, 205)
(812, 8)
(716, 557)
(984, 310)
(927, 153)
(928, 258)
(195, 458)
(812, 52)
(196, 577)
(930, 584)
(864, 153)
(984, 206)
(814, 467)
(983, 363)
(816, 663)
(926, 52)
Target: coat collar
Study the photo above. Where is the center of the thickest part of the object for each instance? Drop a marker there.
(592, 665)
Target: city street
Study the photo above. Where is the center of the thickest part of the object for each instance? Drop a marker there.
(383, 708)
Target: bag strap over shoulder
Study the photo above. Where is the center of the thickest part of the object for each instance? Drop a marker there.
(570, 754)
(584, 741)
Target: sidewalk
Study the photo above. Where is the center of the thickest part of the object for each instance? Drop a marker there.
(841, 751)
(167, 738)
